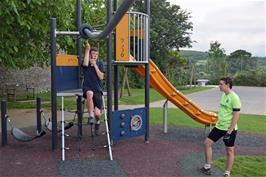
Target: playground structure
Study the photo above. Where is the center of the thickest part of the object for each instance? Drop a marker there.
(65, 74)
(17, 133)
(131, 49)
(21, 135)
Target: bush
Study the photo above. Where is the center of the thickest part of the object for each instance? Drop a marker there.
(251, 78)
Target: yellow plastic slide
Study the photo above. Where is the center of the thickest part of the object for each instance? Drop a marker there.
(159, 82)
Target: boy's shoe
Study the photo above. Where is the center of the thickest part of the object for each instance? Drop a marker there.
(90, 120)
(205, 171)
(96, 129)
(226, 175)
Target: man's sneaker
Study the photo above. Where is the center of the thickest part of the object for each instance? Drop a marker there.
(96, 129)
(226, 175)
(90, 120)
(205, 171)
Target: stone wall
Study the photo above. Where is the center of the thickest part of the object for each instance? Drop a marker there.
(36, 77)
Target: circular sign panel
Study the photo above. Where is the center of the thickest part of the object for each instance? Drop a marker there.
(136, 122)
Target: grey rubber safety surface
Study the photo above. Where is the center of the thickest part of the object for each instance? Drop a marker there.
(90, 168)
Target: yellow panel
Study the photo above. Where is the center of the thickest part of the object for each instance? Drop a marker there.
(66, 60)
(137, 33)
(122, 36)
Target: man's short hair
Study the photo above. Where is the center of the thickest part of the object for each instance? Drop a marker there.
(94, 49)
(228, 80)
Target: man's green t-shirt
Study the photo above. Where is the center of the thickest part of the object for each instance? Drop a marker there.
(229, 103)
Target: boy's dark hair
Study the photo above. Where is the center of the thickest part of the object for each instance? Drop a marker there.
(94, 49)
(227, 80)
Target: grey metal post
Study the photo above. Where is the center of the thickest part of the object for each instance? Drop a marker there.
(38, 113)
(78, 41)
(53, 83)
(4, 123)
(109, 68)
(116, 79)
(80, 115)
(147, 73)
(165, 109)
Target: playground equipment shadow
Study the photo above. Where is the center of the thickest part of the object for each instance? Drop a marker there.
(177, 153)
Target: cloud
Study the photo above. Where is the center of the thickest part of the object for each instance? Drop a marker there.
(235, 24)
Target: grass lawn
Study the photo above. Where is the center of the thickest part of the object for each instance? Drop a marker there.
(178, 118)
(245, 166)
(137, 97)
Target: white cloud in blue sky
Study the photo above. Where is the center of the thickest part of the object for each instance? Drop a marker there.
(238, 24)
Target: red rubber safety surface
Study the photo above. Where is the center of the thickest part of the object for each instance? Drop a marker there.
(165, 154)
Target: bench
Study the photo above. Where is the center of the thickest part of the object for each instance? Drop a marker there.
(202, 82)
(12, 90)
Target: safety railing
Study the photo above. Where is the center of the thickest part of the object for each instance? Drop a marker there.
(132, 38)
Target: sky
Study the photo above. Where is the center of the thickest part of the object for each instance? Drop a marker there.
(236, 24)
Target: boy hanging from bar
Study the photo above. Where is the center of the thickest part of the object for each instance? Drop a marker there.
(92, 86)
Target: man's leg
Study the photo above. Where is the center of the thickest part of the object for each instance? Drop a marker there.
(97, 116)
(208, 150)
(90, 106)
(97, 100)
(230, 153)
(206, 169)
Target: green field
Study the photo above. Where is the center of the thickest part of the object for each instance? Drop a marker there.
(245, 166)
(137, 97)
(178, 118)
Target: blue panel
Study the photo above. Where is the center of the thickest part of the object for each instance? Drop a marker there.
(67, 78)
(122, 122)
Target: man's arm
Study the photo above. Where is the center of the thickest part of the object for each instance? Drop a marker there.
(98, 71)
(233, 122)
(87, 55)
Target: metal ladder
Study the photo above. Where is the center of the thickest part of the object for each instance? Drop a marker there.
(106, 125)
(107, 130)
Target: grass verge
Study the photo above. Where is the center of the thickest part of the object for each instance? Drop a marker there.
(178, 118)
(245, 166)
(137, 97)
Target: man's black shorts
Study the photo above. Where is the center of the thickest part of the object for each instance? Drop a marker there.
(216, 134)
(97, 98)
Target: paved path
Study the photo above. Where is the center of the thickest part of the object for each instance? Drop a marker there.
(253, 100)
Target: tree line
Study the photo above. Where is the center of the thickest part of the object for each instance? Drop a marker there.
(25, 40)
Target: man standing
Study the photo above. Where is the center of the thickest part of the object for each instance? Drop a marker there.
(226, 127)
(92, 86)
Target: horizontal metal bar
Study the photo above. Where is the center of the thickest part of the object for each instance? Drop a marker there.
(129, 62)
(139, 13)
(67, 32)
(112, 23)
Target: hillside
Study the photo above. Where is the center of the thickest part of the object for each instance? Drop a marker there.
(194, 55)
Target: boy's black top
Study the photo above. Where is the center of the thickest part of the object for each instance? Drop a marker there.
(91, 79)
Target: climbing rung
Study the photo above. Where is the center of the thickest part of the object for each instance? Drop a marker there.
(173, 94)
(185, 104)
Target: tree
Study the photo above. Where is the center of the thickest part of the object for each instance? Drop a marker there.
(25, 28)
(216, 65)
(239, 60)
(170, 28)
(176, 66)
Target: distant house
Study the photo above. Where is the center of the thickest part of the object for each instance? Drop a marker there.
(202, 82)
